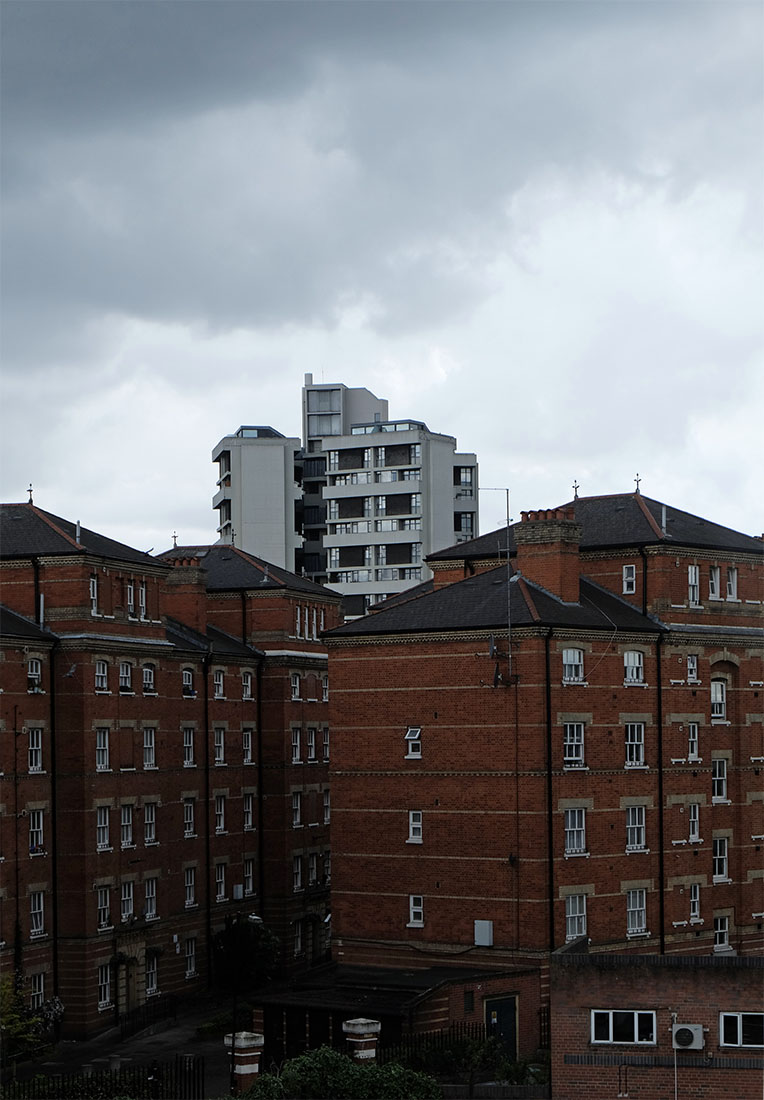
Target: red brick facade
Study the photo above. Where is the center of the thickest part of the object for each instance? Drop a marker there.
(599, 776)
(718, 1001)
(146, 779)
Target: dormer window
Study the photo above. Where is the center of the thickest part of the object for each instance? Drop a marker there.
(34, 674)
(572, 666)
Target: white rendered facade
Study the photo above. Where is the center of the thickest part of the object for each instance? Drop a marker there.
(257, 498)
(359, 507)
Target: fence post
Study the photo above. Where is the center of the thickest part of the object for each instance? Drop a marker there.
(247, 1051)
(362, 1036)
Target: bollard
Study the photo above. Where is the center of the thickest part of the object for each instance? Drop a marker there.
(247, 1051)
(362, 1036)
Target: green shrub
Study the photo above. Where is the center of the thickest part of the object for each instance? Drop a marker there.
(325, 1074)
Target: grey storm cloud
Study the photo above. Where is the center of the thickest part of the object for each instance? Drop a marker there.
(247, 164)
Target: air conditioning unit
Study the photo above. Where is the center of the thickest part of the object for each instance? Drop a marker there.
(687, 1037)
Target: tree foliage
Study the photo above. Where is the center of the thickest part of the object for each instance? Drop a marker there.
(326, 1074)
(245, 954)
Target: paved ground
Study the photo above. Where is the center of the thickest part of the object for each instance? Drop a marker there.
(161, 1043)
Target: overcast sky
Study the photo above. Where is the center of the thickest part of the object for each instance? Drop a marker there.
(535, 226)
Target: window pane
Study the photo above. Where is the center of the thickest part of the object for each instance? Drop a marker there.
(645, 1027)
(729, 1030)
(623, 1027)
(753, 1029)
(602, 1026)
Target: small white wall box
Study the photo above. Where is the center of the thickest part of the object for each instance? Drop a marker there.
(483, 933)
(687, 1037)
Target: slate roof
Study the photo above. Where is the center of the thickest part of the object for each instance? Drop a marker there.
(26, 530)
(622, 519)
(371, 991)
(480, 603)
(13, 625)
(216, 641)
(228, 567)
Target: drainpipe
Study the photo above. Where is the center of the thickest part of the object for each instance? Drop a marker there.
(260, 809)
(661, 852)
(54, 815)
(549, 806)
(643, 556)
(206, 660)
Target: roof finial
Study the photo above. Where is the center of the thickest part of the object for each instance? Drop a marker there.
(175, 538)
(576, 487)
(29, 490)
(637, 479)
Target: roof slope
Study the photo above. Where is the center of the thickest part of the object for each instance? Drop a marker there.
(623, 519)
(229, 567)
(13, 625)
(480, 602)
(26, 530)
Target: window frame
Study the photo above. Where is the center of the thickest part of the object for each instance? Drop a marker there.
(189, 747)
(695, 917)
(218, 684)
(633, 667)
(739, 1029)
(574, 823)
(693, 741)
(219, 745)
(36, 832)
(718, 700)
(149, 748)
(714, 582)
(220, 814)
(189, 887)
(126, 825)
(103, 908)
(611, 1013)
(629, 580)
(190, 957)
(573, 753)
(34, 749)
(634, 745)
(150, 898)
(575, 922)
(189, 817)
(248, 811)
(126, 901)
(692, 668)
(416, 827)
(636, 829)
(150, 823)
(246, 684)
(149, 679)
(731, 582)
(101, 679)
(693, 585)
(573, 665)
(102, 749)
(36, 913)
(103, 815)
(636, 903)
(693, 822)
(719, 780)
(416, 911)
(104, 986)
(720, 854)
(721, 933)
(413, 739)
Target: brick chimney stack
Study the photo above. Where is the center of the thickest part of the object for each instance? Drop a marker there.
(185, 595)
(547, 551)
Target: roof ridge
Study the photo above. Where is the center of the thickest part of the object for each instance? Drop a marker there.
(46, 518)
(649, 516)
(528, 598)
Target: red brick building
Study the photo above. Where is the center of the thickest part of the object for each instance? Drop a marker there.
(149, 787)
(565, 744)
(639, 1025)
